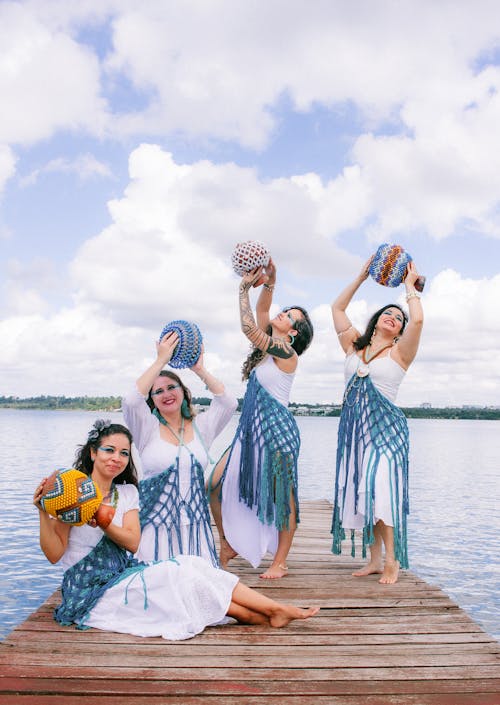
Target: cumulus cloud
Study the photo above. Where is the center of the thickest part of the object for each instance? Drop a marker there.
(48, 81)
(85, 166)
(427, 158)
(173, 232)
(84, 350)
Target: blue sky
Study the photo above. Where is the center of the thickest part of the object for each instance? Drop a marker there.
(139, 141)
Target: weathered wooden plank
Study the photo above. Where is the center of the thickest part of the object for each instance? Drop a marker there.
(244, 699)
(225, 638)
(271, 687)
(141, 672)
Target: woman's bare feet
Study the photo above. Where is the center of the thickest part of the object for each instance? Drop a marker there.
(391, 573)
(274, 572)
(282, 615)
(226, 553)
(368, 569)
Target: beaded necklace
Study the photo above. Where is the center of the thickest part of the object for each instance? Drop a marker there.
(179, 437)
(372, 357)
(112, 495)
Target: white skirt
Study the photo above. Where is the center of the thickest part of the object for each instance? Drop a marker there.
(174, 599)
(382, 501)
(244, 531)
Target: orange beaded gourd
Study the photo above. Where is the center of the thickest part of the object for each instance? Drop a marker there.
(71, 496)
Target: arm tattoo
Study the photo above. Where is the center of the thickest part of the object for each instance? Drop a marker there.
(261, 340)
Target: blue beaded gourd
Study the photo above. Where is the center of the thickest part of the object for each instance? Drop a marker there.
(188, 350)
(389, 266)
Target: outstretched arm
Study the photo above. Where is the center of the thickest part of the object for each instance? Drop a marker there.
(346, 332)
(277, 347)
(266, 296)
(164, 351)
(407, 346)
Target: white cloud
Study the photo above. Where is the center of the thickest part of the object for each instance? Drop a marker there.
(26, 285)
(85, 351)
(85, 166)
(167, 252)
(7, 164)
(48, 81)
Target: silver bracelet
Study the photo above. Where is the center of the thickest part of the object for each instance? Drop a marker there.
(339, 335)
(412, 295)
(269, 287)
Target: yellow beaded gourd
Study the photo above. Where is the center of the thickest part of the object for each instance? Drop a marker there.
(71, 496)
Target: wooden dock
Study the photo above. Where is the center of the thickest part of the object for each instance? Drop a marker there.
(404, 644)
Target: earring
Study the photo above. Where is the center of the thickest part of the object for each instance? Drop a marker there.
(373, 334)
(185, 411)
(290, 338)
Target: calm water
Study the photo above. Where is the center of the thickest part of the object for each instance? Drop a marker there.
(454, 523)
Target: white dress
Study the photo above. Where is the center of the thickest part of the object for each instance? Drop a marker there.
(177, 599)
(249, 537)
(157, 455)
(386, 375)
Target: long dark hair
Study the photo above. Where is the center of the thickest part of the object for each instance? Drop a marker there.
(366, 337)
(99, 431)
(301, 341)
(187, 410)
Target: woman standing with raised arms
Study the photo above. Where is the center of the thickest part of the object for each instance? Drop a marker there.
(260, 509)
(371, 484)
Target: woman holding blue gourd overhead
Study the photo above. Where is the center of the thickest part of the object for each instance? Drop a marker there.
(173, 446)
(371, 485)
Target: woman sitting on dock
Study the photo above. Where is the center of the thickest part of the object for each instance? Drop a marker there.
(260, 510)
(173, 447)
(371, 485)
(104, 587)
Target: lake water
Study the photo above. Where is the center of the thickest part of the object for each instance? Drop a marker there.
(454, 528)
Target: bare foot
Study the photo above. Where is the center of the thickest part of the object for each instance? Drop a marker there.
(274, 572)
(390, 574)
(226, 553)
(284, 614)
(369, 569)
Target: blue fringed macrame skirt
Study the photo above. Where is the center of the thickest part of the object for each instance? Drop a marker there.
(372, 460)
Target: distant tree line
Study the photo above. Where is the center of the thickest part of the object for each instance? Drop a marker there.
(114, 404)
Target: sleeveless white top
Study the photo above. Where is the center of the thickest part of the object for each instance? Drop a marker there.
(274, 380)
(386, 374)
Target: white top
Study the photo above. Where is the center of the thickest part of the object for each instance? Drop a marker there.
(385, 373)
(158, 454)
(82, 539)
(274, 380)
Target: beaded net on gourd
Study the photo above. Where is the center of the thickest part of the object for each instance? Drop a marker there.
(188, 350)
(249, 255)
(371, 427)
(270, 443)
(389, 264)
(71, 496)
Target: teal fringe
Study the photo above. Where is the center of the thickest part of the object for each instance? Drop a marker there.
(371, 427)
(270, 444)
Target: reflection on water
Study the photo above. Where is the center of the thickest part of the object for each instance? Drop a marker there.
(453, 531)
